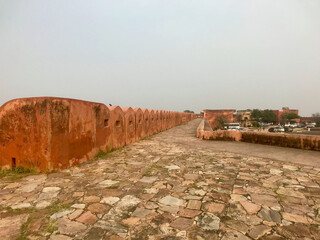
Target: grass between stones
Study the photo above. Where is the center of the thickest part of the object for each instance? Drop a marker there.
(17, 173)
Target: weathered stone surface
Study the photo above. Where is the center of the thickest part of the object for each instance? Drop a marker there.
(98, 208)
(60, 237)
(296, 218)
(209, 221)
(91, 199)
(188, 213)
(108, 182)
(285, 201)
(67, 227)
(182, 223)
(258, 231)
(110, 200)
(270, 215)
(194, 204)
(87, 218)
(250, 208)
(214, 207)
(234, 235)
(132, 221)
(171, 201)
(10, 226)
(141, 212)
(148, 179)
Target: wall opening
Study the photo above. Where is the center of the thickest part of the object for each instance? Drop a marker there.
(106, 123)
(130, 123)
(14, 164)
(117, 124)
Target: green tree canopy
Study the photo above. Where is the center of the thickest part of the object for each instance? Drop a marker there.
(269, 116)
(188, 111)
(289, 116)
(256, 114)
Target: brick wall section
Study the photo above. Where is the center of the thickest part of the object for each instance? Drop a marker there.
(48, 133)
(283, 140)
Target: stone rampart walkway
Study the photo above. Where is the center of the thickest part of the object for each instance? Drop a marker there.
(171, 186)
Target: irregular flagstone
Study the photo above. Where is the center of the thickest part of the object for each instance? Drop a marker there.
(132, 221)
(21, 205)
(60, 237)
(126, 203)
(188, 213)
(234, 235)
(87, 218)
(209, 221)
(148, 179)
(171, 201)
(194, 204)
(98, 208)
(270, 215)
(172, 167)
(75, 214)
(27, 188)
(79, 205)
(258, 231)
(250, 208)
(182, 223)
(10, 226)
(141, 212)
(214, 207)
(108, 182)
(110, 200)
(61, 214)
(290, 192)
(51, 189)
(43, 204)
(170, 209)
(296, 218)
(267, 200)
(65, 226)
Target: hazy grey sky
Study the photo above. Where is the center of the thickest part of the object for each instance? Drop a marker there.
(164, 54)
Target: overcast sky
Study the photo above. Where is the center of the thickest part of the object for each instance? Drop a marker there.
(165, 54)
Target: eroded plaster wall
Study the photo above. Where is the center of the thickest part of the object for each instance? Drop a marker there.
(48, 133)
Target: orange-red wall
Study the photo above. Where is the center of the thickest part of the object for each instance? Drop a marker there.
(211, 115)
(48, 133)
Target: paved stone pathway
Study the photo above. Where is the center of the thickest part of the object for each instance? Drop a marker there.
(170, 186)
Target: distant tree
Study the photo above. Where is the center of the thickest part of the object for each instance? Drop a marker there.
(220, 121)
(256, 114)
(255, 124)
(188, 111)
(288, 117)
(269, 116)
(316, 117)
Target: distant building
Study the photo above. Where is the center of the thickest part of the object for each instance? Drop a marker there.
(213, 116)
(285, 110)
(244, 117)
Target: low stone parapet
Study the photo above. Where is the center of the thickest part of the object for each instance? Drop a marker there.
(276, 139)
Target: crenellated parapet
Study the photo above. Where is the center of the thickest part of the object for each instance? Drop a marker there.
(48, 133)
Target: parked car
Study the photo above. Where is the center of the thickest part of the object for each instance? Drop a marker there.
(310, 125)
(276, 129)
(233, 126)
(288, 129)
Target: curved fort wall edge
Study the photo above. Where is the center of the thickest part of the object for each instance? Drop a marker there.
(48, 133)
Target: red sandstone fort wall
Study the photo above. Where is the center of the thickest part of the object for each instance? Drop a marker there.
(49, 133)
